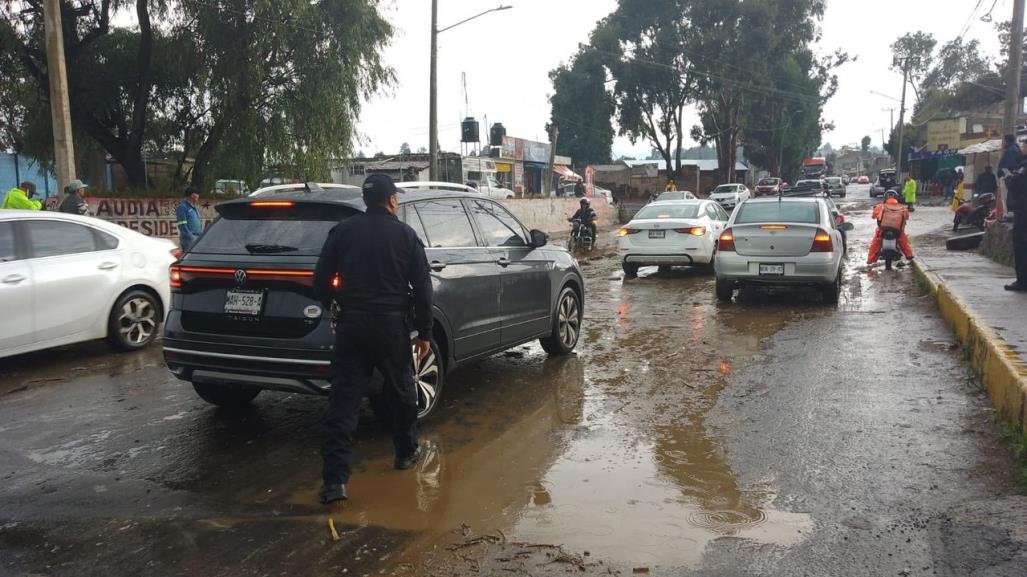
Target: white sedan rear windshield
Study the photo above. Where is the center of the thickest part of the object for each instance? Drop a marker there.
(781, 211)
(668, 211)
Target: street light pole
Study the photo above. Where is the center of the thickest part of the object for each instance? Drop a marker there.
(433, 119)
(902, 120)
(1012, 107)
(433, 115)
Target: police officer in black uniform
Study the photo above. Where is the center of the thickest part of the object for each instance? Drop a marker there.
(381, 270)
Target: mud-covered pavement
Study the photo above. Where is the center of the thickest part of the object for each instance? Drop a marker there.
(770, 436)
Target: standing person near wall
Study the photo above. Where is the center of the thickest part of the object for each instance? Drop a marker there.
(73, 203)
(20, 197)
(188, 219)
(1017, 198)
(1011, 158)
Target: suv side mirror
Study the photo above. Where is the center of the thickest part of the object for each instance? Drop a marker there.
(538, 238)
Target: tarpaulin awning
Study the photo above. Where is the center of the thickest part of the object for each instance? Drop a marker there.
(565, 172)
(982, 147)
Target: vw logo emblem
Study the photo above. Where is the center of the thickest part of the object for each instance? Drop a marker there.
(240, 276)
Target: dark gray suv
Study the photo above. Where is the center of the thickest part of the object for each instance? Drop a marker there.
(243, 316)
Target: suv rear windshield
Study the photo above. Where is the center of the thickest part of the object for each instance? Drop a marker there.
(668, 211)
(780, 211)
(259, 231)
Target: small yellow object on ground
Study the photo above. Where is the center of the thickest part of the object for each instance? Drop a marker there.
(331, 527)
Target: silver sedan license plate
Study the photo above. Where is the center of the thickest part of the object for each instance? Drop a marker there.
(243, 302)
(772, 269)
(657, 233)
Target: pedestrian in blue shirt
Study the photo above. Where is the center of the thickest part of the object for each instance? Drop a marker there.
(188, 219)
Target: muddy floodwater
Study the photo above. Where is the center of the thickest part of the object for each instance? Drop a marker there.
(773, 435)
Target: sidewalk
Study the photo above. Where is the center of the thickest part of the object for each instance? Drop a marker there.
(990, 322)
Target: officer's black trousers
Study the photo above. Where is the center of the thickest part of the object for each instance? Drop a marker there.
(1020, 244)
(364, 342)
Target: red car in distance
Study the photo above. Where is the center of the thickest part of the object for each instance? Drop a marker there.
(769, 186)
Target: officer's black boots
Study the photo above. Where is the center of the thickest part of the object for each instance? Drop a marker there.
(332, 493)
(409, 460)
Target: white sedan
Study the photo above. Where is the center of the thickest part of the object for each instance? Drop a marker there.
(672, 232)
(66, 278)
(794, 241)
(730, 195)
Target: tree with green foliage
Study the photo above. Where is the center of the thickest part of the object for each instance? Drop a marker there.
(238, 86)
(583, 109)
(764, 87)
(641, 47)
(404, 148)
(864, 144)
(110, 73)
(913, 54)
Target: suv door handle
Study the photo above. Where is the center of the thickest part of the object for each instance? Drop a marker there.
(13, 279)
(503, 262)
(108, 266)
(437, 266)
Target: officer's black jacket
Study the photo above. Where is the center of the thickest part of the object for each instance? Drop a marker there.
(380, 263)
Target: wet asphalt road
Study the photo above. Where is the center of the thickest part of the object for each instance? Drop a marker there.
(769, 436)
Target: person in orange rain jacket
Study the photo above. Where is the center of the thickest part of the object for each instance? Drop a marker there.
(890, 214)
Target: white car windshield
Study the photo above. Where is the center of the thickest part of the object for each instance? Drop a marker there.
(725, 189)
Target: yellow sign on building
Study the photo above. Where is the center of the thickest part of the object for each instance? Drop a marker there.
(944, 134)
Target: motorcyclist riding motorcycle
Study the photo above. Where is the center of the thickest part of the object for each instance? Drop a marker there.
(586, 216)
(890, 215)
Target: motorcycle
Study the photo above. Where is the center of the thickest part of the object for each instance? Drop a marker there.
(974, 212)
(581, 236)
(890, 246)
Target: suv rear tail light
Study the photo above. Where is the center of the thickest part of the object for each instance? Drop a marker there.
(175, 277)
(822, 242)
(726, 242)
(694, 231)
(627, 231)
(272, 204)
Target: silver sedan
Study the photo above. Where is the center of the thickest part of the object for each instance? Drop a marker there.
(781, 241)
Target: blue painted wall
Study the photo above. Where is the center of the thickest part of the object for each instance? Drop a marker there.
(14, 166)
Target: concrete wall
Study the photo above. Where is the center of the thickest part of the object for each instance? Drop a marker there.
(550, 214)
(156, 216)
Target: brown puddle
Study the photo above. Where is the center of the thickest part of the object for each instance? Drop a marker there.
(606, 451)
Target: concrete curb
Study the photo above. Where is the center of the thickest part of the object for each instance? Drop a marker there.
(997, 365)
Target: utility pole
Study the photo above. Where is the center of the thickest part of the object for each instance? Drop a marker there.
(554, 136)
(433, 93)
(60, 109)
(902, 122)
(891, 116)
(433, 118)
(1012, 107)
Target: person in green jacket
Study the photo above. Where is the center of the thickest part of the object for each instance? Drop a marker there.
(21, 197)
(909, 191)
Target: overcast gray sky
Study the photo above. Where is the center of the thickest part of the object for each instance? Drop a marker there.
(507, 55)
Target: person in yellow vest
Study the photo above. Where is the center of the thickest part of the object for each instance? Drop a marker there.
(20, 197)
(909, 191)
(671, 186)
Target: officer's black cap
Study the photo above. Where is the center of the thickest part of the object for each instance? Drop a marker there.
(378, 188)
